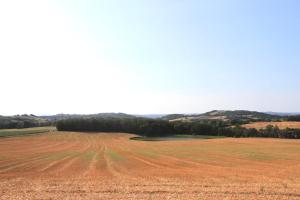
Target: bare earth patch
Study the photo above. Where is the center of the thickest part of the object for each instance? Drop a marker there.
(66, 165)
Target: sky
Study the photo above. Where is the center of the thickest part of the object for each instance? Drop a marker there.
(146, 57)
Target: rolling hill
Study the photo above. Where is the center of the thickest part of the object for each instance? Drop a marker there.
(98, 115)
(233, 117)
(22, 121)
(226, 115)
(27, 121)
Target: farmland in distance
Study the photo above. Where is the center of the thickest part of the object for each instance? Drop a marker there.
(281, 125)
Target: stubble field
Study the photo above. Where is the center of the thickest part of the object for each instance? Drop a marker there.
(281, 125)
(67, 165)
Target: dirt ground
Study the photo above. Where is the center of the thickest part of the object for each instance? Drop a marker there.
(66, 165)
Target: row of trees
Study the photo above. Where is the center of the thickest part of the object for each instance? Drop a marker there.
(140, 126)
(294, 118)
(154, 128)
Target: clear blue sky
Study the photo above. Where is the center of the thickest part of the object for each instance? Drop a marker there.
(168, 56)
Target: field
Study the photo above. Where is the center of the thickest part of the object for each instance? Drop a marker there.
(176, 137)
(281, 125)
(24, 131)
(67, 165)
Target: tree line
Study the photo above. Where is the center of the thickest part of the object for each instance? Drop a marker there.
(294, 118)
(155, 128)
(140, 126)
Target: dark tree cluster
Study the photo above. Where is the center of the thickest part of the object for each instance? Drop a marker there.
(140, 126)
(154, 128)
(204, 127)
(294, 118)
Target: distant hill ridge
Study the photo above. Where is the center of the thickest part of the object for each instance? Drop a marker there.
(232, 116)
(26, 121)
(22, 121)
(98, 115)
(225, 115)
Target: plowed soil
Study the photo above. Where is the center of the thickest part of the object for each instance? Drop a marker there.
(66, 165)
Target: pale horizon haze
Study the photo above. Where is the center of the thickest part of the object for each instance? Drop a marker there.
(149, 57)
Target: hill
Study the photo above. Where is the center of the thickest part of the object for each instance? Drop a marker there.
(230, 117)
(22, 121)
(227, 115)
(98, 115)
(283, 113)
(173, 117)
(27, 121)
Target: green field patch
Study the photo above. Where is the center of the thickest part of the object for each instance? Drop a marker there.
(114, 155)
(186, 150)
(146, 153)
(176, 138)
(205, 152)
(88, 155)
(259, 156)
(62, 137)
(244, 152)
(24, 131)
(199, 136)
(61, 155)
(2, 157)
(296, 149)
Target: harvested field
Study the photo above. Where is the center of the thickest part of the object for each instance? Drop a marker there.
(281, 125)
(67, 165)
